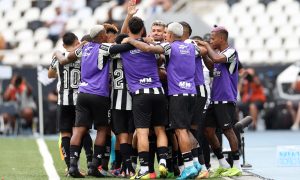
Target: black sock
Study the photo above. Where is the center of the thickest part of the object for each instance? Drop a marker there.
(218, 153)
(235, 155)
(118, 160)
(152, 150)
(65, 146)
(175, 157)
(144, 158)
(88, 147)
(98, 154)
(180, 159)
(105, 159)
(125, 150)
(170, 164)
(74, 155)
(195, 152)
(134, 155)
(162, 152)
(187, 157)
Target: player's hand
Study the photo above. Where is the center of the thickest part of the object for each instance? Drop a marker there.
(126, 40)
(131, 9)
(148, 40)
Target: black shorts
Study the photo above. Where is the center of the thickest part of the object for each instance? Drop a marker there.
(181, 110)
(220, 115)
(149, 110)
(65, 117)
(122, 121)
(92, 109)
(198, 110)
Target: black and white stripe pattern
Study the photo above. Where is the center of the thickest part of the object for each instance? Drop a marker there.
(222, 102)
(184, 94)
(68, 81)
(120, 96)
(158, 90)
(201, 90)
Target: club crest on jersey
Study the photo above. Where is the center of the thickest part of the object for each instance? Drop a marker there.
(135, 51)
(183, 49)
(185, 85)
(146, 80)
(216, 73)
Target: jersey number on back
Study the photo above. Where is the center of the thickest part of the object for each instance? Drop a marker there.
(118, 83)
(71, 78)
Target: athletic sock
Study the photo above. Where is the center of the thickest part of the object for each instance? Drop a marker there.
(88, 147)
(144, 161)
(195, 154)
(65, 146)
(187, 159)
(152, 150)
(105, 159)
(74, 154)
(162, 153)
(118, 160)
(236, 159)
(170, 163)
(98, 154)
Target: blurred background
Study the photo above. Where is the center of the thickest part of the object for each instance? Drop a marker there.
(265, 32)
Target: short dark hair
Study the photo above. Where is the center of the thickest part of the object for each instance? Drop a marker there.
(110, 28)
(120, 38)
(69, 38)
(197, 38)
(86, 37)
(135, 25)
(221, 30)
(186, 26)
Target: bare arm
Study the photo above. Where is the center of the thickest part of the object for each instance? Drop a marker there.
(145, 47)
(131, 10)
(52, 73)
(72, 56)
(208, 63)
(215, 57)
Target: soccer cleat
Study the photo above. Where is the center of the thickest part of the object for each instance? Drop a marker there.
(163, 172)
(75, 173)
(217, 173)
(138, 175)
(197, 166)
(203, 175)
(153, 175)
(115, 172)
(93, 171)
(188, 173)
(232, 172)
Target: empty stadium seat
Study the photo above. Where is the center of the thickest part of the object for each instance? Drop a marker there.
(285, 31)
(31, 59)
(244, 55)
(262, 21)
(291, 42)
(101, 13)
(274, 43)
(249, 32)
(291, 8)
(260, 56)
(47, 14)
(12, 15)
(278, 56)
(279, 20)
(257, 9)
(293, 55)
(32, 14)
(11, 58)
(44, 46)
(266, 32)
(73, 23)
(25, 47)
(25, 34)
(41, 34)
(84, 13)
(294, 19)
(3, 25)
(244, 21)
(23, 5)
(18, 25)
(256, 43)
(274, 8)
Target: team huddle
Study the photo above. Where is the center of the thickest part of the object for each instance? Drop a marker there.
(153, 93)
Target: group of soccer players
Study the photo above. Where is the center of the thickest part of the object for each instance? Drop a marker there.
(155, 90)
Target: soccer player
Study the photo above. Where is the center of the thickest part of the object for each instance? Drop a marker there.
(181, 88)
(67, 87)
(121, 110)
(149, 103)
(221, 111)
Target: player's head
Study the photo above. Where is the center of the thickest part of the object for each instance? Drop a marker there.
(86, 37)
(187, 30)
(70, 40)
(120, 38)
(174, 32)
(219, 37)
(197, 38)
(157, 30)
(136, 26)
(98, 34)
(111, 31)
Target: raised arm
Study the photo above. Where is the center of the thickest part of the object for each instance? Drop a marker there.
(72, 56)
(215, 57)
(131, 10)
(53, 68)
(157, 49)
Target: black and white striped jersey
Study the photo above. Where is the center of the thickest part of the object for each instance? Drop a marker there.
(68, 81)
(120, 97)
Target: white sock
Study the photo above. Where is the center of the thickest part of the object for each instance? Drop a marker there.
(162, 161)
(188, 164)
(223, 163)
(195, 159)
(144, 169)
(236, 163)
(203, 168)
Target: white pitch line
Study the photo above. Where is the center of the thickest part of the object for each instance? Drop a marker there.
(47, 160)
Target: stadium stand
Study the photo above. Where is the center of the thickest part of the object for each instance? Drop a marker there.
(262, 29)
